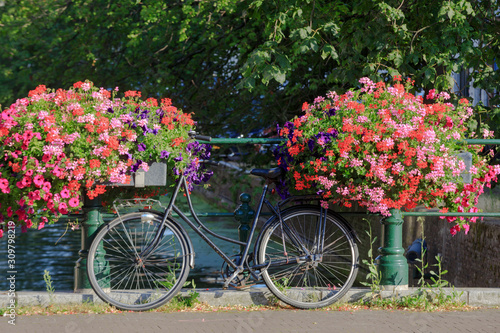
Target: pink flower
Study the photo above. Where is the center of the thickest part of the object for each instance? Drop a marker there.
(1, 233)
(454, 229)
(74, 202)
(65, 193)
(466, 228)
(63, 208)
(46, 187)
(34, 195)
(57, 171)
(4, 185)
(46, 158)
(38, 180)
(432, 94)
(26, 181)
(47, 196)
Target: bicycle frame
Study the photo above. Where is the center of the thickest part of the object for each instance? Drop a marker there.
(238, 267)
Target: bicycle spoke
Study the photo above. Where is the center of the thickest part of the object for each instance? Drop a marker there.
(123, 278)
(318, 277)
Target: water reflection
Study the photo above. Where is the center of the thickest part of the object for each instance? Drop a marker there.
(37, 251)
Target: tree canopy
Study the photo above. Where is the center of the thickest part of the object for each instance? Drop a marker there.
(241, 65)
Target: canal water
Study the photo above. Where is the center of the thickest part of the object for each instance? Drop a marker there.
(55, 250)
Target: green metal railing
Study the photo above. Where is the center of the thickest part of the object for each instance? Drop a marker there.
(392, 264)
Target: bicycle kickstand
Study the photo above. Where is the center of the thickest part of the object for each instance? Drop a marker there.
(237, 271)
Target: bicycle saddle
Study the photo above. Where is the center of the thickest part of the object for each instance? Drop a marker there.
(273, 173)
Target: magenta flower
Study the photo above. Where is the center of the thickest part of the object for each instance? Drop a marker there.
(74, 202)
(4, 185)
(63, 208)
(46, 158)
(26, 181)
(46, 187)
(65, 193)
(38, 180)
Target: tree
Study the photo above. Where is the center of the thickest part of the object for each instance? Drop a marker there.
(243, 65)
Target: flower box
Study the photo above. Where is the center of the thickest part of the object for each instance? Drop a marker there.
(155, 176)
(382, 147)
(59, 144)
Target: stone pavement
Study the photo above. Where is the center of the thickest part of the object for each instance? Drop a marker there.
(486, 319)
(276, 321)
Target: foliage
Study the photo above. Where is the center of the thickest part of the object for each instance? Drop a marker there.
(374, 276)
(429, 296)
(241, 65)
(57, 145)
(48, 284)
(382, 147)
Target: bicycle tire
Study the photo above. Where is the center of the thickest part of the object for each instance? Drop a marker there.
(124, 279)
(315, 283)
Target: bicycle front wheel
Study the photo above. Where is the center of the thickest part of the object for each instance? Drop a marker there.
(298, 272)
(125, 277)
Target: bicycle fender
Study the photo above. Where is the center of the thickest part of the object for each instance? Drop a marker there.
(274, 219)
(347, 224)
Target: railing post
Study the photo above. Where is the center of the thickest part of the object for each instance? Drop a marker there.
(244, 214)
(392, 265)
(92, 221)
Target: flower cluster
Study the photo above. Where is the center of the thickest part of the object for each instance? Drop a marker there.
(383, 147)
(58, 144)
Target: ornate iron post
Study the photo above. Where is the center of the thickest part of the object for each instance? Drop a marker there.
(392, 265)
(93, 220)
(244, 214)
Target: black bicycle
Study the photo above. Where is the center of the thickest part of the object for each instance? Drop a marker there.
(306, 255)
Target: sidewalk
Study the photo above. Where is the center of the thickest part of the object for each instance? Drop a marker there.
(275, 321)
(300, 321)
(257, 295)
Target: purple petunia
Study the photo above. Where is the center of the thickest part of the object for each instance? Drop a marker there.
(178, 159)
(164, 154)
(141, 147)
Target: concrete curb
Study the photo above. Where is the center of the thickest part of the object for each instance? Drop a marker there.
(257, 295)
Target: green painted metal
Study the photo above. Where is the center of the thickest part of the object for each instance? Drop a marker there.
(93, 220)
(483, 141)
(244, 214)
(392, 265)
(451, 214)
(221, 141)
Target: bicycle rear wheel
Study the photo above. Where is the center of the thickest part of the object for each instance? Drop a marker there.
(123, 277)
(308, 281)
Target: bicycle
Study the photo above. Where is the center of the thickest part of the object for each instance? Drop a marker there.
(306, 255)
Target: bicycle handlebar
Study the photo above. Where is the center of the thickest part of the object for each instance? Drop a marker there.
(195, 136)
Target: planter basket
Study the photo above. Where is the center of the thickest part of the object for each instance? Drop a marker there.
(467, 158)
(155, 176)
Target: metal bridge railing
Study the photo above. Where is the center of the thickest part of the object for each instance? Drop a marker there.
(392, 265)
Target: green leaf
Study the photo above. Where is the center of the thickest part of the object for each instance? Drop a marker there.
(329, 51)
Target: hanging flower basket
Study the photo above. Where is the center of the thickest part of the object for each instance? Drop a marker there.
(59, 144)
(382, 147)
